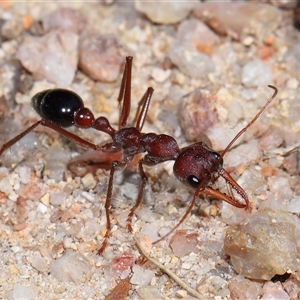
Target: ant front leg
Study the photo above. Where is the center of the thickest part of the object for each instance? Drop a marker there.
(140, 195)
(198, 190)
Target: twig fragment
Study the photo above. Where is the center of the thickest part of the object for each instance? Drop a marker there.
(170, 273)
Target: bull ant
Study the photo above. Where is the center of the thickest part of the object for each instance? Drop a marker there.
(196, 166)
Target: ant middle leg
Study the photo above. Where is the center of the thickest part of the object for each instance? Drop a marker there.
(199, 190)
(115, 165)
(140, 197)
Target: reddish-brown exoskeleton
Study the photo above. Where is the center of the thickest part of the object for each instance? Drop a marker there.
(197, 166)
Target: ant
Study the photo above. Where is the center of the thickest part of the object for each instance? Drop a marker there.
(196, 166)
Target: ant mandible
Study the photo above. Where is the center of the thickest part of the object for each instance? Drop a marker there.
(196, 166)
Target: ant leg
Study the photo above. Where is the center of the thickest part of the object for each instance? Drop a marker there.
(211, 192)
(18, 137)
(196, 194)
(181, 220)
(125, 93)
(140, 195)
(143, 109)
(71, 136)
(114, 165)
(251, 122)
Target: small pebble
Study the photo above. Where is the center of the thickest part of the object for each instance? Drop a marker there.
(236, 19)
(261, 248)
(64, 18)
(281, 196)
(100, 57)
(146, 214)
(150, 230)
(15, 249)
(245, 154)
(39, 263)
(42, 208)
(191, 62)
(13, 270)
(60, 288)
(72, 266)
(160, 75)
(21, 292)
(186, 266)
(271, 139)
(152, 292)
(243, 288)
(292, 83)
(248, 40)
(5, 186)
(33, 190)
(11, 29)
(292, 287)
(71, 212)
(197, 114)
(122, 263)
(183, 243)
(45, 199)
(89, 181)
(274, 290)
(57, 159)
(141, 276)
(257, 73)
(292, 56)
(198, 36)
(58, 198)
(120, 291)
(181, 293)
(67, 242)
(167, 12)
(53, 56)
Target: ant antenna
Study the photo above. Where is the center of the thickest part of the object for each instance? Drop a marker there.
(251, 122)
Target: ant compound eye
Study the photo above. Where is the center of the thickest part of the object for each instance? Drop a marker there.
(193, 181)
(216, 155)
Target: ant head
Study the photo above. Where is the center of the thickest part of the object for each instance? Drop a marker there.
(196, 163)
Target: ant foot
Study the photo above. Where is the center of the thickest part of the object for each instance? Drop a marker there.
(104, 243)
(128, 225)
(129, 221)
(103, 246)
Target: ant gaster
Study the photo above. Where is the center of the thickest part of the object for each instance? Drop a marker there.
(197, 166)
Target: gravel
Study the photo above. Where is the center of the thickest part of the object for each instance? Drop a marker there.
(209, 83)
